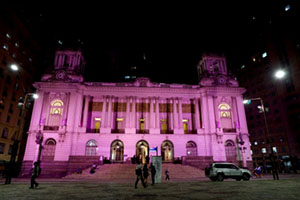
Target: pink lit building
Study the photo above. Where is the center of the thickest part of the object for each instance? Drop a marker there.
(86, 122)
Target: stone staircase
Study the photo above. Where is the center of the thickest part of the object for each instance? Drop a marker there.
(126, 172)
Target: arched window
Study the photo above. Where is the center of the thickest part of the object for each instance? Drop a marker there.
(167, 151)
(230, 151)
(49, 149)
(91, 148)
(225, 115)
(56, 111)
(117, 151)
(191, 148)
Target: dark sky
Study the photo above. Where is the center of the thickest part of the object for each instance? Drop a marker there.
(173, 36)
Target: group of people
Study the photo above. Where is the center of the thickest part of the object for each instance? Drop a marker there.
(142, 174)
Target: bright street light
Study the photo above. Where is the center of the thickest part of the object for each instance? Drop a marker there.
(35, 96)
(14, 67)
(280, 74)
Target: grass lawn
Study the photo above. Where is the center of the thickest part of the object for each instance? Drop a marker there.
(242, 190)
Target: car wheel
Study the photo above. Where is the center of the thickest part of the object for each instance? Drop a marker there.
(246, 177)
(220, 177)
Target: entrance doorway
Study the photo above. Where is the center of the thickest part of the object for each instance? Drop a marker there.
(167, 150)
(117, 151)
(142, 151)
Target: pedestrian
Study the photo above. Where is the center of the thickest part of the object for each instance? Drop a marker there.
(36, 171)
(275, 170)
(8, 170)
(145, 173)
(167, 175)
(153, 172)
(139, 175)
(258, 172)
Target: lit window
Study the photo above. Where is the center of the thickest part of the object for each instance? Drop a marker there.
(274, 149)
(288, 7)
(8, 35)
(243, 66)
(30, 59)
(253, 59)
(16, 44)
(264, 150)
(255, 143)
(133, 77)
(251, 152)
(224, 110)
(5, 47)
(59, 42)
(14, 55)
(120, 119)
(264, 55)
(127, 77)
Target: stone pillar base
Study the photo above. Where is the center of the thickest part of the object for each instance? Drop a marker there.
(178, 131)
(130, 130)
(105, 130)
(154, 131)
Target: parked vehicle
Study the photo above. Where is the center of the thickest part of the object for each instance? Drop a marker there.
(221, 171)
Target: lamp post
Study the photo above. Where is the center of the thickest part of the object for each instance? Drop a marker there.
(22, 103)
(248, 101)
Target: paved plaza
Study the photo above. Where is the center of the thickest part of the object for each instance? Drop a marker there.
(265, 188)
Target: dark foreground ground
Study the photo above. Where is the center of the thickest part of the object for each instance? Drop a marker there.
(287, 188)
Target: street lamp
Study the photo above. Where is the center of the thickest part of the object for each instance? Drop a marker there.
(262, 109)
(22, 103)
(279, 74)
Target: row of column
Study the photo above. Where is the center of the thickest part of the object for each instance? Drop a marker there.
(74, 59)
(152, 118)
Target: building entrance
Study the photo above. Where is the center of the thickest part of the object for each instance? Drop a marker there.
(142, 151)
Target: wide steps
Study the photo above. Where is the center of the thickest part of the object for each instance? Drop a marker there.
(115, 172)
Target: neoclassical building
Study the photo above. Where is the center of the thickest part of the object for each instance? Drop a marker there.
(85, 122)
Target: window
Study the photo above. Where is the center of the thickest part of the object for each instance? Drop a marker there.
(225, 115)
(142, 124)
(10, 149)
(191, 149)
(56, 112)
(5, 47)
(243, 66)
(5, 133)
(185, 126)
(16, 44)
(264, 150)
(91, 148)
(274, 149)
(97, 122)
(287, 8)
(2, 146)
(264, 55)
(255, 143)
(230, 151)
(49, 149)
(8, 119)
(8, 35)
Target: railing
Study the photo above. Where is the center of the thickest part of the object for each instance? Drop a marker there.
(92, 130)
(142, 131)
(166, 131)
(190, 132)
(229, 130)
(118, 131)
(51, 128)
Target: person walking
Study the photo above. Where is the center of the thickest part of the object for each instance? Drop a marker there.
(36, 171)
(145, 173)
(153, 172)
(167, 175)
(139, 175)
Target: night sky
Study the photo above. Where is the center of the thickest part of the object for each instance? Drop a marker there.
(171, 36)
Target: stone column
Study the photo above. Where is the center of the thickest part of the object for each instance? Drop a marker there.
(157, 124)
(133, 113)
(86, 109)
(109, 112)
(197, 115)
(147, 115)
(175, 117)
(152, 119)
(180, 125)
(127, 125)
(103, 114)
